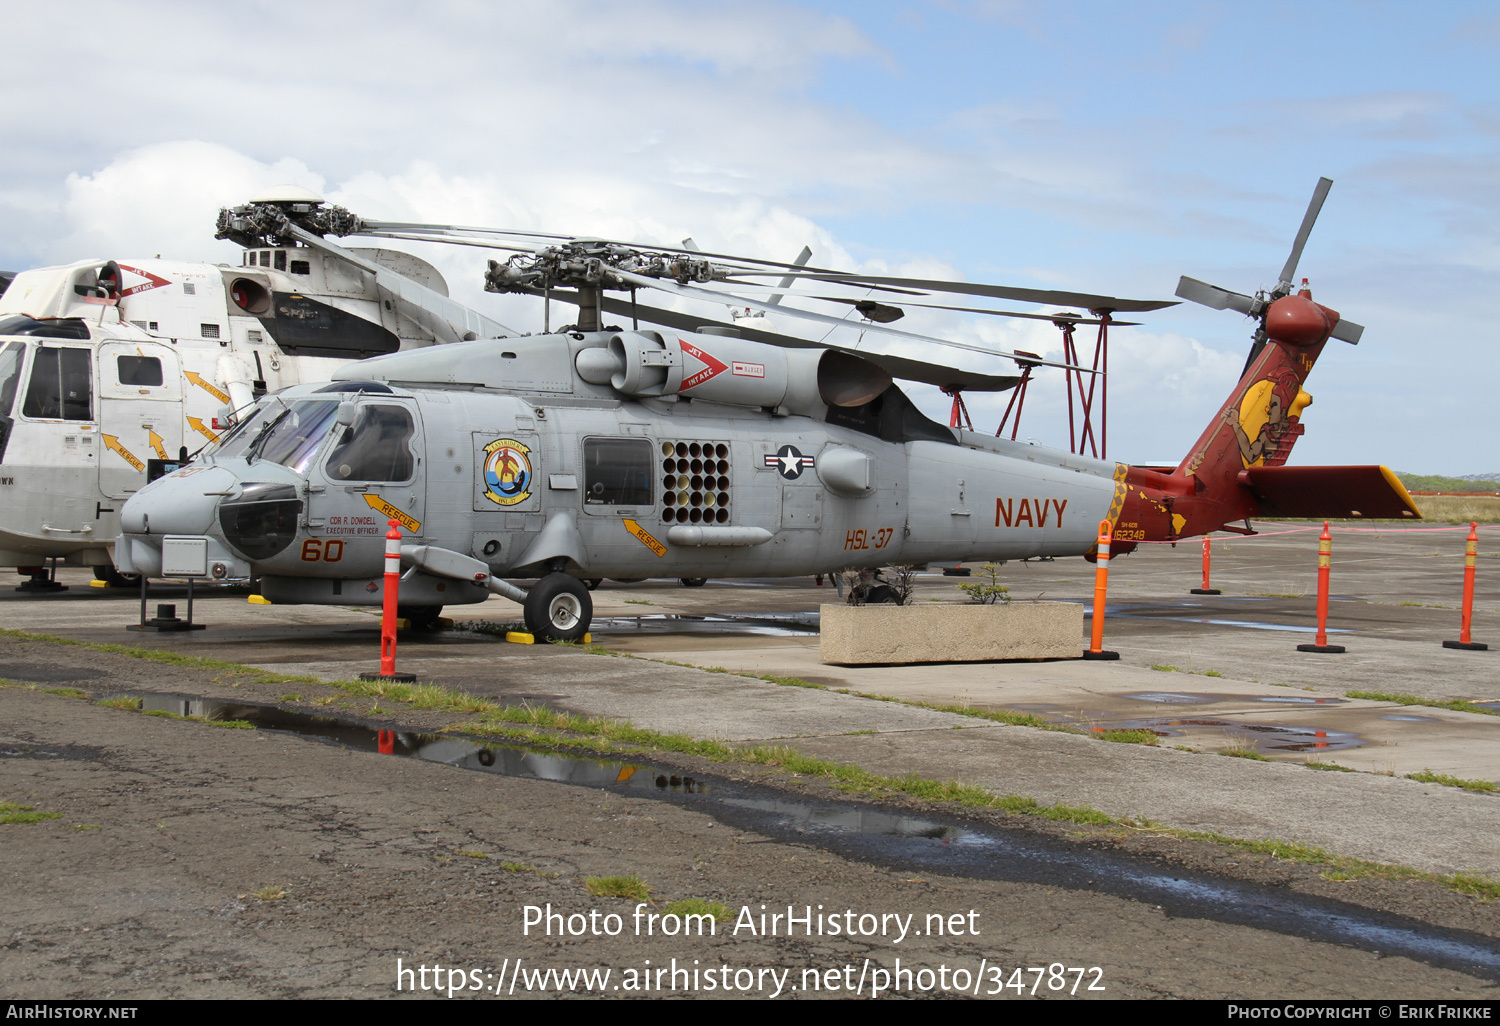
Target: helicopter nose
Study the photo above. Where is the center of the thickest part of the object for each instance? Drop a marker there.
(177, 505)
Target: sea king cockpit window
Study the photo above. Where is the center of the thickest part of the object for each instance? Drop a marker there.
(376, 447)
(617, 471)
(11, 355)
(62, 385)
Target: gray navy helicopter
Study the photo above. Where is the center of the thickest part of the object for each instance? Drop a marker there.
(692, 448)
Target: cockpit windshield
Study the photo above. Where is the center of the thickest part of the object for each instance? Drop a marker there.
(292, 438)
(376, 447)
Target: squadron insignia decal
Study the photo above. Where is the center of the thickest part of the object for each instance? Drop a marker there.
(507, 472)
(788, 461)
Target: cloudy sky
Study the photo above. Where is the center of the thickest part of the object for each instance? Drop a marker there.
(1094, 146)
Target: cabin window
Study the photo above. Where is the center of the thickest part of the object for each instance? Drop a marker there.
(281, 260)
(10, 372)
(376, 447)
(140, 370)
(617, 471)
(61, 387)
(301, 267)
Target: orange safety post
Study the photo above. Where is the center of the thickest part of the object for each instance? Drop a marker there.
(1205, 590)
(1325, 559)
(385, 742)
(1101, 588)
(1471, 556)
(388, 610)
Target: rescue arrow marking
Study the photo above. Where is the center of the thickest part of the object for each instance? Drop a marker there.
(378, 504)
(202, 428)
(207, 386)
(113, 442)
(156, 442)
(645, 538)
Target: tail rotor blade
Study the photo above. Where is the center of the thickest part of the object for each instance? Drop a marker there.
(1319, 195)
(1213, 297)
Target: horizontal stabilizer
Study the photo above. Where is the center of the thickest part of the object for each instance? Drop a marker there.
(1330, 493)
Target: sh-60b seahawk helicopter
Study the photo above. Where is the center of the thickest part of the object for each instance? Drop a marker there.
(602, 451)
(112, 372)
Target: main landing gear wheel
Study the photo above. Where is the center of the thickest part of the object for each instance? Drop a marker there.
(109, 575)
(693, 582)
(420, 617)
(558, 608)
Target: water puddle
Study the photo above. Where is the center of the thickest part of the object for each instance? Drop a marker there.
(1193, 698)
(766, 624)
(1260, 736)
(1491, 706)
(893, 838)
(1408, 719)
(505, 760)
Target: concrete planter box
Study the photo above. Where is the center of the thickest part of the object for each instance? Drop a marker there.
(951, 632)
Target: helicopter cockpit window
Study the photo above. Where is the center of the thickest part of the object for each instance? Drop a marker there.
(376, 447)
(140, 370)
(617, 471)
(292, 438)
(11, 356)
(62, 386)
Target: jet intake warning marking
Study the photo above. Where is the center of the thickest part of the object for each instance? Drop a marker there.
(712, 367)
(386, 509)
(1029, 512)
(788, 461)
(645, 538)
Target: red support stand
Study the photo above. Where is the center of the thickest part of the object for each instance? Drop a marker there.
(1205, 590)
(1325, 560)
(959, 416)
(1471, 556)
(1101, 589)
(388, 610)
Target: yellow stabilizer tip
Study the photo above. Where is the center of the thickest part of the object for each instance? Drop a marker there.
(258, 600)
(98, 584)
(520, 638)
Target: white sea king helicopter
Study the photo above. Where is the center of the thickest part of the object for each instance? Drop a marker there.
(113, 372)
(689, 449)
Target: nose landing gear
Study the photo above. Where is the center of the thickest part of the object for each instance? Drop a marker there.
(558, 608)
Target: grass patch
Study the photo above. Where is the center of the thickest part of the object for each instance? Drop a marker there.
(66, 692)
(1164, 667)
(1126, 737)
(125, 702)
(1429, 777)
(418, 696)
(517, 867)
(291, 698)
(1334, 767)
(229, 724)
(1244, 752)
(474, 854)
(10, 812)
(1401, 698)
(699, 907)
(1212, 673)
(268, 893)
(618, 887)
(161, 656)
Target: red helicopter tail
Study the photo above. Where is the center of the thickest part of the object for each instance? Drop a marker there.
(1236, 470)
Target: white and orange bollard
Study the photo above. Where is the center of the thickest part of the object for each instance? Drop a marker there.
(1207, 560)
(388, 610)
(1101, 591)
(1466, 621)
(1325, 561)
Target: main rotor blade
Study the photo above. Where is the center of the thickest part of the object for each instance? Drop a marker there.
(1320, 193)
(1048, 297)
(690, 292)
(431, 302)
(786, 283)
(903, 367)
(848, 301)
(1214, 297)
(482, 244)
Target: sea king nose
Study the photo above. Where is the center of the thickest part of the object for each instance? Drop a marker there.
(177, 505)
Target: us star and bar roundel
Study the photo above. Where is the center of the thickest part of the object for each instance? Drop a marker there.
(789, 462)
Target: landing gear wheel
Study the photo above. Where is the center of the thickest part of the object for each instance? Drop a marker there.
(882, 594)
(693, 582)
(558, 608)
(109, 575)
(421, 618)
